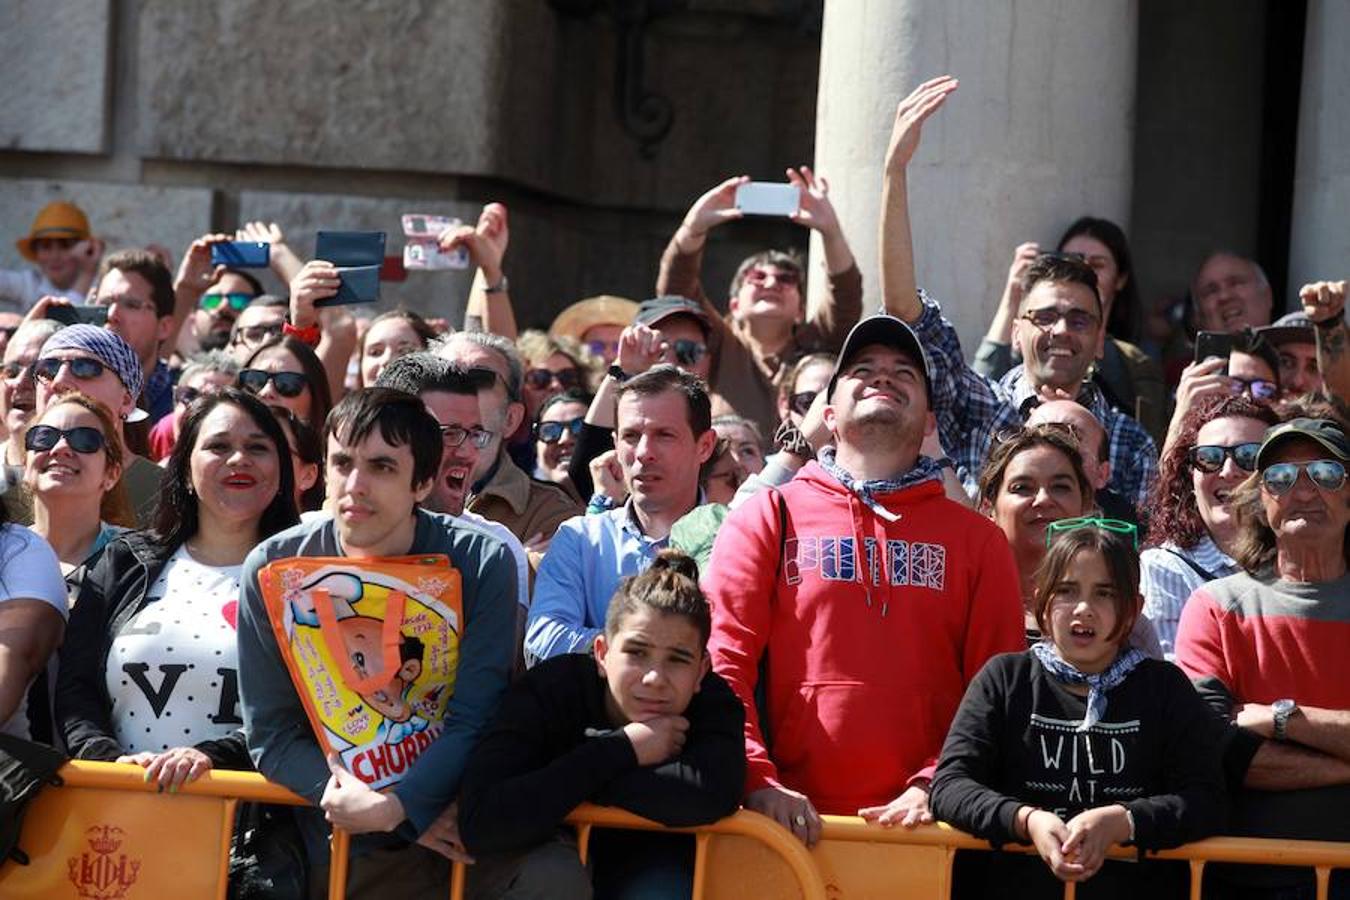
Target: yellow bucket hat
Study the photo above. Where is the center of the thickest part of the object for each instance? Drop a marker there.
(602, 310)
(61, 219)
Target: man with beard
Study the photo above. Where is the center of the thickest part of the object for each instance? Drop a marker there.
(1059, 332)
(871, 596)
(230, 294)
(662, 436)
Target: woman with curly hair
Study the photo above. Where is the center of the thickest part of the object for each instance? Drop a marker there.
(1193, 530)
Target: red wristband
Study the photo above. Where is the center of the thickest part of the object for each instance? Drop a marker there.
(308, 336)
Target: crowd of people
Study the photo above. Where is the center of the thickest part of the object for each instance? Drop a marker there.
(788, 557)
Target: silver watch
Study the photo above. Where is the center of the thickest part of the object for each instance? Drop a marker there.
(1281, 710)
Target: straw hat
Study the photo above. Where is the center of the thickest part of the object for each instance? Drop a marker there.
(61, 219)
(584, 314)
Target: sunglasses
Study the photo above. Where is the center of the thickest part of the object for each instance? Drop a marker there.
(84, 439)
(287, 384)
(82, 368)
(1210, 457)
(1256, 388)
(607, 349)
(13, 371)
(454, 435)
(687, 352)
(1078, 321)
(1119, 526)
(236, 302)
(542, 378)
(801, 403)
(552, 432)
(1327, 474)
(186, 395)
(761, 277)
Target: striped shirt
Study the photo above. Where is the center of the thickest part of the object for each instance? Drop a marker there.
(1166, 580)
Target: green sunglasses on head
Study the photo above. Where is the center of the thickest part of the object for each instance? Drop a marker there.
(1117, 525)
(237, 302)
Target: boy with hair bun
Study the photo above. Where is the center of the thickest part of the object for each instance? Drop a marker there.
(643, 724)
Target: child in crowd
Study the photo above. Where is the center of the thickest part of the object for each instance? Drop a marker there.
(1081, 742)
(644, 725)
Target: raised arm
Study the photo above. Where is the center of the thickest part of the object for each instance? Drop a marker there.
(899, 289)
(683, 257)
(489, 307)
(1324, 303)
(282, 260)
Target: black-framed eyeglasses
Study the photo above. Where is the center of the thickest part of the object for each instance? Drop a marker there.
(236, 301)
(552, 432)
(13, 371)
(539, 379)
(1120, 526)
(287, 384)
(800, 403)
(687, 352)
(1209, 457)
(1327, 474)
(1078, 321)
(1256, 388)
(253, 335)
(81, 367)
(454, 435)
(83, 439)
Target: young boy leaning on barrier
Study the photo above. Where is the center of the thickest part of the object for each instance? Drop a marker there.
(644, 725)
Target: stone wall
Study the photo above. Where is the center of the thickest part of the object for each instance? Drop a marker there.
(170, 118)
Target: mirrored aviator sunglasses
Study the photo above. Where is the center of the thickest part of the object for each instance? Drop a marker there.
(1327, 474)
(83, 439)
(288, 384)
(1209, 458)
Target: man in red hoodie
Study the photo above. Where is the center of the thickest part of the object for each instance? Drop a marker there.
(863, 600)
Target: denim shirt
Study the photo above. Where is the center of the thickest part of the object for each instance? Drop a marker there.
(588, 557)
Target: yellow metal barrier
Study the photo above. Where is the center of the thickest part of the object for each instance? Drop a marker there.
(108, 835)
(111, 836)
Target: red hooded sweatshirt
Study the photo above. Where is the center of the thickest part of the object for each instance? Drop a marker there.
(870, 630)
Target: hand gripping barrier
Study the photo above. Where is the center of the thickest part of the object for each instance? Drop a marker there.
(108, 835)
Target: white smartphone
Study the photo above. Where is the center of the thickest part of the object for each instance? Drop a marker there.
(768, 198)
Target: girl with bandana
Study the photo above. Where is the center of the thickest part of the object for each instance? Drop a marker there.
(1081, 742)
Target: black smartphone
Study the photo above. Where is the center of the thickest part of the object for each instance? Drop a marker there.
(241, 254)
(68, 314)
(358, 257)
(1213, 343)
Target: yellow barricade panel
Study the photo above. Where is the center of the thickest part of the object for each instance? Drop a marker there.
(740, 868)
(96, 844)
(856, 870)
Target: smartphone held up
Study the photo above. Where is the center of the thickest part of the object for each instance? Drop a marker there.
(768, 198)
(423, 249)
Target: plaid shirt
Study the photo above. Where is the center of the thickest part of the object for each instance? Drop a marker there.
(971, 410)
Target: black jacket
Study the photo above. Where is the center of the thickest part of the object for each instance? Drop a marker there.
(112, 593)
(551, 747)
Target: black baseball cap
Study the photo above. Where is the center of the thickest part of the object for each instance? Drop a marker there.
(1323, 431)
(1294, 328)
(658, 309)
(887, 331)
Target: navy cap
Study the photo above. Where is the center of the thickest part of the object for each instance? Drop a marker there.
(889, 332)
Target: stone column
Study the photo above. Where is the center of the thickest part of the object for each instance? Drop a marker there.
(1319, 244)
(1039, 132)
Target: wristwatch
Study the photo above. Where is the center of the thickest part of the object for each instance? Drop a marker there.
(618, 374)
(500, 287)
(1282, 710)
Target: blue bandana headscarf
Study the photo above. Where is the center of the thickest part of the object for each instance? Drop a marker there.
(925, 469)
(1097, 684)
